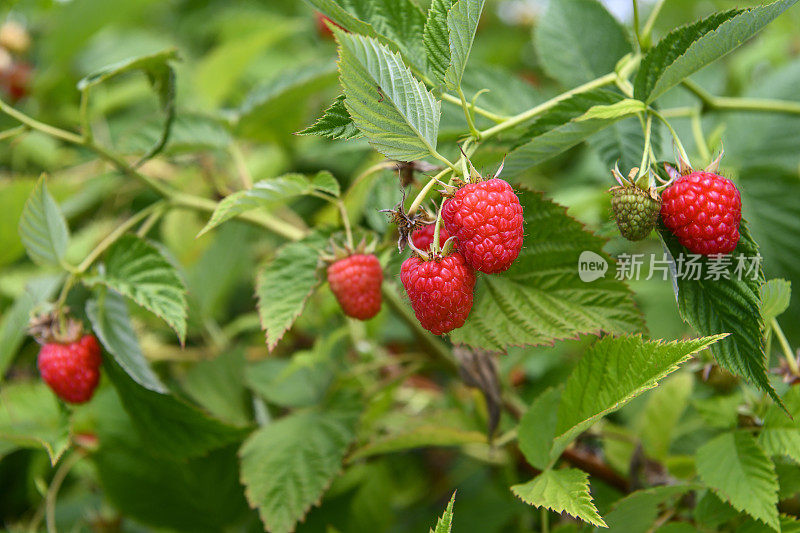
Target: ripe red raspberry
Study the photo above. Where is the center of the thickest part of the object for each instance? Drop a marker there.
(486, 218)
(440, 291)
(423, 237)
(703, 210)
(356, 283)
(71, 370)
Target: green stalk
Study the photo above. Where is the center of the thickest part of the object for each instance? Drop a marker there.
(787, 350)
(672, 132)
(516, 120)
(472, 129)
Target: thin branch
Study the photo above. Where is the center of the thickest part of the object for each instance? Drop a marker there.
(516, 120)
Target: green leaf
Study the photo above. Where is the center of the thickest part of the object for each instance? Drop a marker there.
(13, 194)
(462, 23)
(775, 297)
(14, 323)
(395, 23)
(541, 298)
(268, 109)
(537, 428)
(268, 193)
(436, 37)
(138, 270)
(218, 385)
(288, 464)
(727, 306)
(445, 522)
(285, 284)
(738, 471)
(780, 434)
(43, 228)
(161, 75)
(562, 491)
(611, 373)
(578, 41)
(662, 412)
(31, 417)
(788, 524)
(561, 128)
(425, 436)
(110, 321)
(768, 204)
(334, 124)
(299, 382)
(689, 48)
(621, 109)
(172, 427)
(637, 512)
(394, 110)
(200, 494)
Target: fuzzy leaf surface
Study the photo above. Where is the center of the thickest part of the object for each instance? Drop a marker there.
(334, 124)
(43, 228)
(288, 464)
(285, 284)
(727, 306)
(394, 110)
(268, 193)
(738, 471)
(562, 491)
(462, 23)
(138, 270)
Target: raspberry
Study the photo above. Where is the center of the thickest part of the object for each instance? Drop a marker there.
(356, 283)
(440, 291)
(703, 210)
(486, 218)
(635, 210)
(423, 237)
(72, 370)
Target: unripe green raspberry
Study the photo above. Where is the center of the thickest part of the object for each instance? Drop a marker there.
(635, 210)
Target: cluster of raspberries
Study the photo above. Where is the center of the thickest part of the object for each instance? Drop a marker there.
(484, 219)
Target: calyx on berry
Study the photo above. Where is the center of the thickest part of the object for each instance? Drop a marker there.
(635, 209)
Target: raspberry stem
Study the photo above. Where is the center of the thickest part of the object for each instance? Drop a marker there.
(791, 360)
(644, 167)
(425, 190)
(549, 104)
(699, 138)
(346, 223)
(672, 132)
(472, 129)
